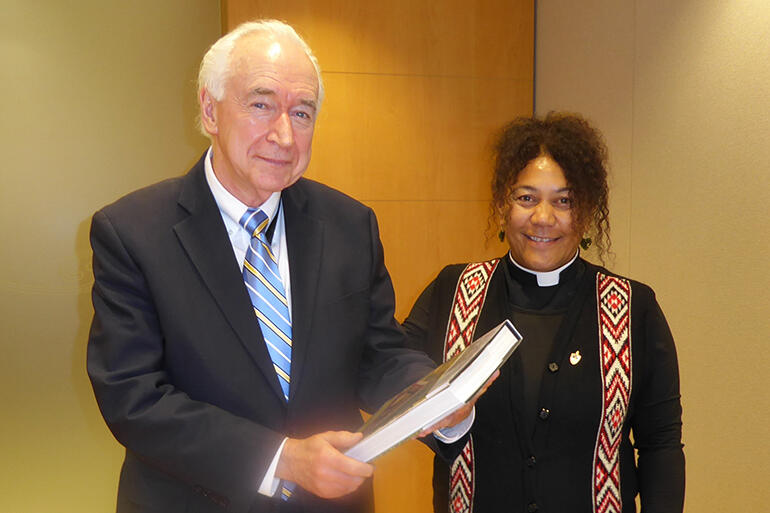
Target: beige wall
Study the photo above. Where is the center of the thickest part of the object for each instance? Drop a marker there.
(680, 90)
(97, 99)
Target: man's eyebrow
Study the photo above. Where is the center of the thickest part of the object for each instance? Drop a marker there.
(261, 91)
(265, 91)
(308, 103)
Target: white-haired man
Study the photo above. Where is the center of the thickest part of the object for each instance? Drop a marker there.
(213, 414)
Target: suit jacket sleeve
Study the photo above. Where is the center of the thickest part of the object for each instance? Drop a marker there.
(190, 440)
(386, 366)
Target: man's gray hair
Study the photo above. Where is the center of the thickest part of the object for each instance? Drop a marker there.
(215, 66)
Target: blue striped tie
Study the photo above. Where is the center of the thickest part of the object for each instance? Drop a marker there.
(263, 282)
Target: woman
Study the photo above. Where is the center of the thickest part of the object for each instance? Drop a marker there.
(597, 367)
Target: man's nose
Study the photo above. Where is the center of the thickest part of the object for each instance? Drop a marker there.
(281, 131)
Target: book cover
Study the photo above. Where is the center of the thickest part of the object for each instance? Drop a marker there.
(437, 394)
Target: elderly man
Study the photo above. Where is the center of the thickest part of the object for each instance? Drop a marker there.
(244, 314)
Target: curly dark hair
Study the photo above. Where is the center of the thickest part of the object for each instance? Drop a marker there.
(579, 150)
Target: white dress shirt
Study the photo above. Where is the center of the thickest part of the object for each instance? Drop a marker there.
(232, 210)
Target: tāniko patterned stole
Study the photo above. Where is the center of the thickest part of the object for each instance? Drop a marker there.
(614, 310)
(468, 301)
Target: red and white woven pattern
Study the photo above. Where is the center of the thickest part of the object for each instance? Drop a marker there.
(468, 302)
(614, 299)
(469, 298)
(461, 481)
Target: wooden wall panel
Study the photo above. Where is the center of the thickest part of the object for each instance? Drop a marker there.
(451, 38)
(392, 137)
(415, 90)
(420, 237)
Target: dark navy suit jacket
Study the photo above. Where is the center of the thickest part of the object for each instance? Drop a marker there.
(178, 364)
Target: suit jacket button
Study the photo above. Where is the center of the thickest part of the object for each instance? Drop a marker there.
(544, 414)
(532, 507)
(553, 367)
(531, 461)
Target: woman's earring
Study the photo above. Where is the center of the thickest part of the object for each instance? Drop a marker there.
(501, 235)
(585, 242)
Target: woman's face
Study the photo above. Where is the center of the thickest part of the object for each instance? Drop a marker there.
(539, 226)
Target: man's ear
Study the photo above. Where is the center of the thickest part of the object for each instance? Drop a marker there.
(208, 111)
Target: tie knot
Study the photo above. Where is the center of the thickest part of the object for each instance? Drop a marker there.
(254, 220)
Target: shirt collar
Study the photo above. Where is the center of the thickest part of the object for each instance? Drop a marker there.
(231, 206)
(547, 278)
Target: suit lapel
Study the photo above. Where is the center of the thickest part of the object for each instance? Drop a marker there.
(304, 241)
(205, 240)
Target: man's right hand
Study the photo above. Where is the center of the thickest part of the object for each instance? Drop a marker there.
(318, 465)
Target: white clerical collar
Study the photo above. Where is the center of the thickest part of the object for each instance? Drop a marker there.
(229, 204)
(547, 278)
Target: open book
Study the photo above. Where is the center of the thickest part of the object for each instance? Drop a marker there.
(438, 394)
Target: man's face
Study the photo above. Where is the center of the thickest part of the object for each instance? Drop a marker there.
(262, 129)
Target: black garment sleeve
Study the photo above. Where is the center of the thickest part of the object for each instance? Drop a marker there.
(418, 323)
(657, 423)
(417, 326)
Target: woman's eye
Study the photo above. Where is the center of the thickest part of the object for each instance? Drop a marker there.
(525, 198)
(259, 105)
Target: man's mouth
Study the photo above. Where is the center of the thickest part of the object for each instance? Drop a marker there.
(275, 162)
